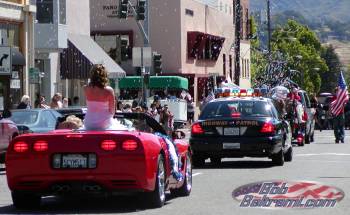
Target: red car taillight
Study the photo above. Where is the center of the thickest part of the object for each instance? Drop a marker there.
(20, 147)
(197, 129)
(41, 146)
(108, 145)
(236, 115)
(129, 145)
(268, 127)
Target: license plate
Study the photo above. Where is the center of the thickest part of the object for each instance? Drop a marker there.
(231, 131)
(323, 117)
(74, 161)
(231, 146)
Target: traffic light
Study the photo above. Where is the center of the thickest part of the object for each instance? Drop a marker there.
(141, 9)
(123, 9)
(124, 49)
(157, 63)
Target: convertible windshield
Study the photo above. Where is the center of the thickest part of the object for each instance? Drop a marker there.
(24, 117)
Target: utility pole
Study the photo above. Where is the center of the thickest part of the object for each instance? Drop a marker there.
(269, 25)
(145, 71)
(237, 23)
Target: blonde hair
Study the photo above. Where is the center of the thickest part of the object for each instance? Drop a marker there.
(25, 98)
(72, 122)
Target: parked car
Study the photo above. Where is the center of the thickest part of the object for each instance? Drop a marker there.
(8, 131)
(37, 120)
(310, 111)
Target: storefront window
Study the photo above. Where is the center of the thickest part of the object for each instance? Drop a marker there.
(9, 34)
(44, 11)
(62, 7)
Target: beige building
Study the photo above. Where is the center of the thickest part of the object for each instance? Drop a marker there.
(16, 50)
(195, 38)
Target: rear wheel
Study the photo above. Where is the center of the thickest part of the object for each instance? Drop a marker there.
(186, 188)
(198, 161)
(2, 158)
(289, 155)
(25, 200)
(156, 198)
(278, 159)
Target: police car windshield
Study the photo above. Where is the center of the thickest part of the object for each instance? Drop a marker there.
(224, 109)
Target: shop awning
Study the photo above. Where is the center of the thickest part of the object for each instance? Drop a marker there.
(17, 58)
(169, 82)
(155, 82)
(131, 82)
(82, 48)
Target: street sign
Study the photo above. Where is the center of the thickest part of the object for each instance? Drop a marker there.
(15, 84)
(5, 60)
(142, 57)
(34, 76)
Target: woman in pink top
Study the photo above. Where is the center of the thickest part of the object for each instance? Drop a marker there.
(100, 101)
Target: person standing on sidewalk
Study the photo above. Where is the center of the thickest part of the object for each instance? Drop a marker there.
(339, 100)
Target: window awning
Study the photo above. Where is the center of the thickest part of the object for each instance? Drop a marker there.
(81, 54)
(17, 58)
(155, 82)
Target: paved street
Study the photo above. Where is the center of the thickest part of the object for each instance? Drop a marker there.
(323, 161)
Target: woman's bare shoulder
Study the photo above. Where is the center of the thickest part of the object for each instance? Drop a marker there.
(109, 89)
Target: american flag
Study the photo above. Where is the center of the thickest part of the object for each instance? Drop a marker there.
(341, 96)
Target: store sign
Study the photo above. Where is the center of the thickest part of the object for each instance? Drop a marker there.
(15, 84)
(111, 11)
(5, 60)
(15, 74)
(34, 76)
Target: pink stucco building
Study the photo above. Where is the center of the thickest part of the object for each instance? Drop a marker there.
(195, 37)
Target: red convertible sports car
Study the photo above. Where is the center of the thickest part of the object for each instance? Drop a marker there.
(70, 162)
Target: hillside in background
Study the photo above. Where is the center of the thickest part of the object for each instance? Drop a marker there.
(316, 10)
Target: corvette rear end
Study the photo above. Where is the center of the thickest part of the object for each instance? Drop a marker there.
(64, 162)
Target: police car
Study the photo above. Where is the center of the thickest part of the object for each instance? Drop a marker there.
(240, 127)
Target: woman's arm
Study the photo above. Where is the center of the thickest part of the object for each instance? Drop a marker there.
(111, 101)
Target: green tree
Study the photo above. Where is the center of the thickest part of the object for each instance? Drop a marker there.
(302, 51)
(330, 77)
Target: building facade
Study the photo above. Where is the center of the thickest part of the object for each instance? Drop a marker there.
(64, 49)
(194, 37)
(16, 50)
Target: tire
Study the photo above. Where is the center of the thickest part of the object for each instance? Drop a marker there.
(156, 198)
(215, 161)
(198, 161)
(288, 156)
(2, 158)
(186, 188)
(278, 159)
(25, 200)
